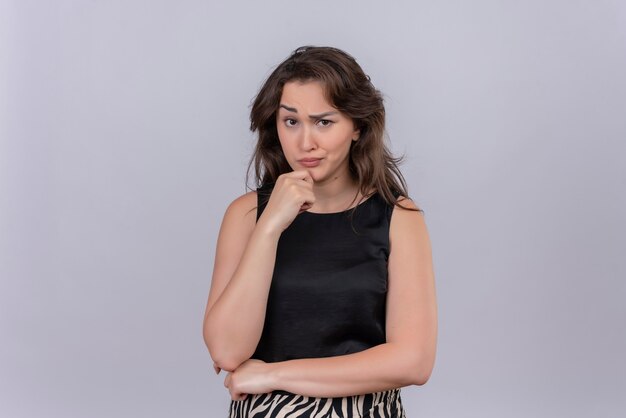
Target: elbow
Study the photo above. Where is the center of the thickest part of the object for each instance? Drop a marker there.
(421, 377)
(225, 359)
(221, 355)
(228, 364)
(417, 376)
(422, 370)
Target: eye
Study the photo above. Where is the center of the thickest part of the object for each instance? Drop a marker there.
(290, 122)
(326, 122)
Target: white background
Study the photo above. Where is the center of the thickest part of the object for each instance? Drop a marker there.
(124, 136)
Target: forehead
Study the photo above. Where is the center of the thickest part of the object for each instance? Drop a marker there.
(305, 93)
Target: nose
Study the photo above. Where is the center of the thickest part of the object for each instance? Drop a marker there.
(307, 139)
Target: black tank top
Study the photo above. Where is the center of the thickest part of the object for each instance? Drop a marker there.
(329, 286)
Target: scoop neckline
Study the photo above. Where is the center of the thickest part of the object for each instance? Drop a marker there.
(343, 211)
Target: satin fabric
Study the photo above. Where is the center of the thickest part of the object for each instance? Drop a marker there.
(329, 285)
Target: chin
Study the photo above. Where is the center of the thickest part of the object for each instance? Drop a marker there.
(314, 176)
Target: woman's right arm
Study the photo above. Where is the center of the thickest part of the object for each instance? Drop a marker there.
(244, 265)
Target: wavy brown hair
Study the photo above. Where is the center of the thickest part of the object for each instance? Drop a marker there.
(349, 90)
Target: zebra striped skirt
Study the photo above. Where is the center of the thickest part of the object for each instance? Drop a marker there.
(282, 404)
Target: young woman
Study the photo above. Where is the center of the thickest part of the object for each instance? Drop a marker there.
(322, 300)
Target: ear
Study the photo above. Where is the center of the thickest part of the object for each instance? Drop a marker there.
(356, 134)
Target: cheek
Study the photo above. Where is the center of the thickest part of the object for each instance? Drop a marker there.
(284, 143)
(342, 143)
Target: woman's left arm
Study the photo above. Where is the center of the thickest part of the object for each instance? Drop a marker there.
(408, 356)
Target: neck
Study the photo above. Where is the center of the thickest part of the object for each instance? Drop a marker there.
(336, 193)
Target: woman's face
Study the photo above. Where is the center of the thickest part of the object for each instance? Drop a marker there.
(310, 128)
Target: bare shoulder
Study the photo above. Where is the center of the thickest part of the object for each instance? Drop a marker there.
(404, 206)
(243, 204)
(407, 224)
(239, 219)
(243, 207)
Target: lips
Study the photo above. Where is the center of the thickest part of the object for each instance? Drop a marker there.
(310, 162)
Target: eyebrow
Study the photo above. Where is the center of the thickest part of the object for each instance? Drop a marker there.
(321, 115)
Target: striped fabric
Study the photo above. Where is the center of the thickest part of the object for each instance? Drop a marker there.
(282, 404)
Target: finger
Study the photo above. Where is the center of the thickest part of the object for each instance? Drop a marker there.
(238, 396)
(305, 207)
(309, 200)
(308, 178)
(298, 174)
